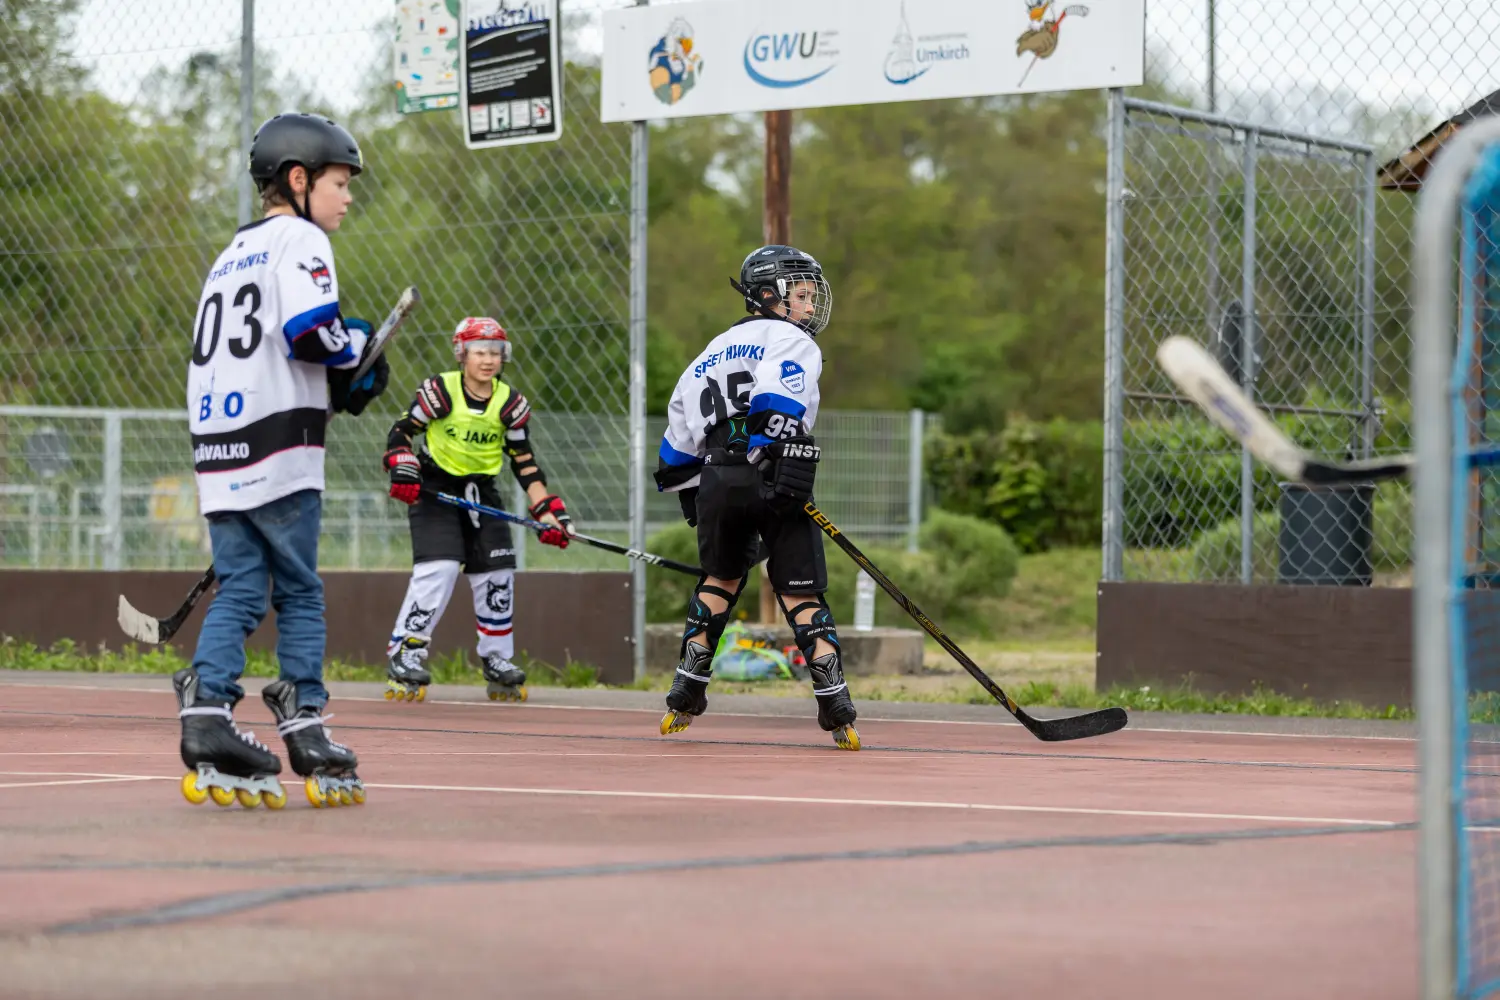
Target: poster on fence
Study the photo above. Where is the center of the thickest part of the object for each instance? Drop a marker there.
(426, 55)
(509, 68)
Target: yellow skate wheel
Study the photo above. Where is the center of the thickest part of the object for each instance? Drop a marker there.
(346, 797)
(221, 796)
(675, 722)
(846, 737)
(274, 800)
(522, 696)
(390, 693)
(358, 794)
(494, 696)
(315, 794)
(247, 798)
(421, 694)
(191, 791)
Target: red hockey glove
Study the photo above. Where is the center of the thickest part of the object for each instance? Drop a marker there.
(558, 536)
(406, 474)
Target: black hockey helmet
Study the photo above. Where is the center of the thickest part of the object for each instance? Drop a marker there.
(294, 138)
(768, 277)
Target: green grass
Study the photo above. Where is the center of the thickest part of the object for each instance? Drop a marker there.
(453, 668)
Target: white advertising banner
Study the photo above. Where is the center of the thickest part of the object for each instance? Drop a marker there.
(724, 57)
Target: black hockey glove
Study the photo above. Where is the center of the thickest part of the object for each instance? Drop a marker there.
(689, 500)
(348, 396)
(789, 467)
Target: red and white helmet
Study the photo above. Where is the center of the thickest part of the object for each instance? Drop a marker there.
(474, 329)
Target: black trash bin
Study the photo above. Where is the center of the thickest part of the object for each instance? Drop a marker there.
(1326, 535)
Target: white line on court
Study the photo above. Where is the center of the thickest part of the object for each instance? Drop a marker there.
(789, 800)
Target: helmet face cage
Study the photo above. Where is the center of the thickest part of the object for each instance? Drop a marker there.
(776, 276)
(808, 299)
(480, 330)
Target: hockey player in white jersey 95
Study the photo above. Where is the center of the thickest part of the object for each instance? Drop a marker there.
(272, 354)
(740, 455)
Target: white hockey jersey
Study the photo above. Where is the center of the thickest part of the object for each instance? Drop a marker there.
(765, 371)
(268, 328)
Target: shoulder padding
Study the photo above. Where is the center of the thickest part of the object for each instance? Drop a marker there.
(433, 398)
(516, 412)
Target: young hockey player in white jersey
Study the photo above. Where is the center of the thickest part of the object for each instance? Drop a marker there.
(740, 455)
(272, 354)
(473, 422)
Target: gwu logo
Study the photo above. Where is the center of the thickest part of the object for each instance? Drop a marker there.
(321, 276)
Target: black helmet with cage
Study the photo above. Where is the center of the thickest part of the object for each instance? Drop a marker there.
(776, 276)
(297, 139)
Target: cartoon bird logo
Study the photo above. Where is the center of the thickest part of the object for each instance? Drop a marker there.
(1041, 34)
(673, 65)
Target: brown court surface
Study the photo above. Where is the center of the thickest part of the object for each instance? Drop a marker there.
(550, 851)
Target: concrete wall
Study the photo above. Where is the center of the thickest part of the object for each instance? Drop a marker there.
(1328, 643)
(557, 615)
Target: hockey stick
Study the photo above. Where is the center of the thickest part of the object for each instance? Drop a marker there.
(1075, 727)
(143, 627)
(1196, 373)
(598, 543)
(378, 340)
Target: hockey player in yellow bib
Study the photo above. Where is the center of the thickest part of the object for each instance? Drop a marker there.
(473, 424)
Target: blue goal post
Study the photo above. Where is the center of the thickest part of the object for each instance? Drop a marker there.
(1456, 564)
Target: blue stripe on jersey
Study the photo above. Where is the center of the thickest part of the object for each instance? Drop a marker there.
(672, 456)
(776, 403)
(302, 324)
(313, 318)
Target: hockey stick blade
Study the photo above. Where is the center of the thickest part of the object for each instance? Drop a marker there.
(1196, 373)
(381, 337)
(1074, 727)
(143, 628)
(598, 543)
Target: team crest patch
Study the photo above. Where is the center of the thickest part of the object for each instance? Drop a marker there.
(318, 271)
(793, 376)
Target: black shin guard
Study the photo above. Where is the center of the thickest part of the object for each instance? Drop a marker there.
(835, 707)
(702, 621)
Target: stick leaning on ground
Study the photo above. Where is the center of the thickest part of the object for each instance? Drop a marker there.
(1075, 727)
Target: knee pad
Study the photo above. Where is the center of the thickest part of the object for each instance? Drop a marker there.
(702, 621)
(821, 627)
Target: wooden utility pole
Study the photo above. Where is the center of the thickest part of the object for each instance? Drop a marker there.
(776, 227)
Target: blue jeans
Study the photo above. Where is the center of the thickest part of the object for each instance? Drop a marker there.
(273, 547)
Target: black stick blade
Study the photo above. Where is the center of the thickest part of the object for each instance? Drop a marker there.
(1076, 727)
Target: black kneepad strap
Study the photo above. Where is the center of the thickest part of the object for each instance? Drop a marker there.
(702, 621)
(821, 627)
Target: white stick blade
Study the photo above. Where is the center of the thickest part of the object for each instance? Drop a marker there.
(140, 627)
(1201, 377)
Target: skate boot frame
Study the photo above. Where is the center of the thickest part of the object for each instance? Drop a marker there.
(406, 676)
(504, 681)
(327, 768)
(689, 695)
(223, 763)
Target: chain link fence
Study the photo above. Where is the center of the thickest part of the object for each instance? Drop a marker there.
(95, 488)
(121, 154)
(1260, 202)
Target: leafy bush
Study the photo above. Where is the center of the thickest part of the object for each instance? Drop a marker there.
(961, 562)
(1041, 482)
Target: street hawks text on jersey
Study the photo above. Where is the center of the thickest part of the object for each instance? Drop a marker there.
(267, 330)
(763, 372)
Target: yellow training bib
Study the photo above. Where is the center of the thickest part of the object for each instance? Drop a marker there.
(465, 443)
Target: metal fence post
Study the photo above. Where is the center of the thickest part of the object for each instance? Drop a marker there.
(1114, 343)
(1247, 362)
(1367, 311)
(914, 479)
(247, 108)
(639, 191)
(519, 535)
(113, 530)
